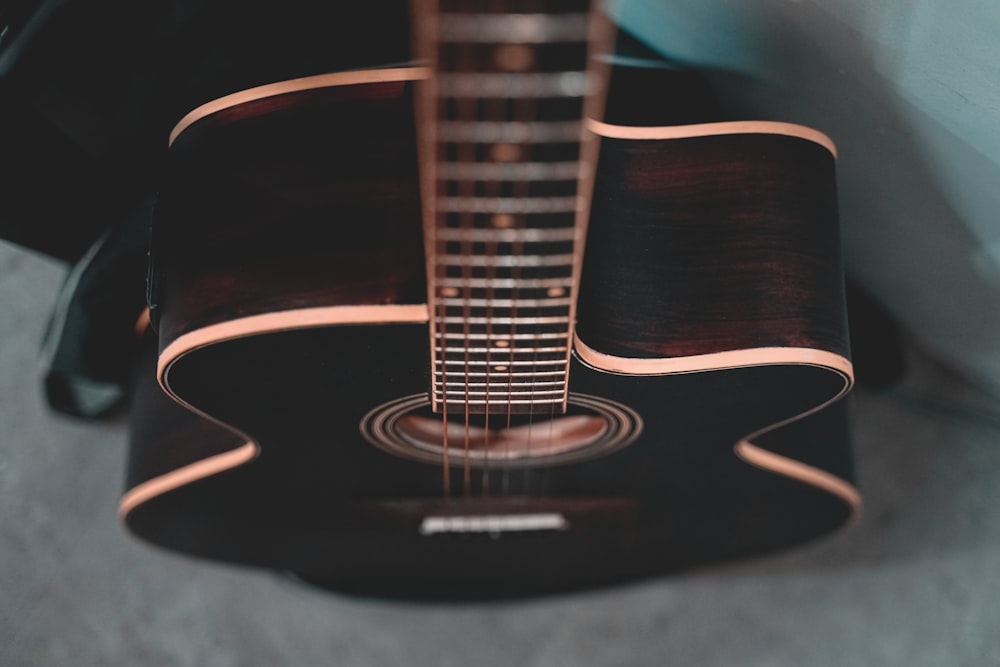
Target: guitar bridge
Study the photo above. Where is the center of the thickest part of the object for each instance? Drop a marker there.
(494, 517)
(493, 524)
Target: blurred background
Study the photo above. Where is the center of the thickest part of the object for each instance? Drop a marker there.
(910, 92)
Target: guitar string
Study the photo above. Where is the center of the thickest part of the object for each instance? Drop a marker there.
(509, 110)
(491, 189)
(485, 109)
(466, 150)
(552, 408)
(589, 6)
(468, 108)
(423, 12)
(516, 250)
(529, 110)
(523, 109)
(538, 335)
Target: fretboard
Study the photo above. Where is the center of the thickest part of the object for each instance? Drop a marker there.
(506, 169)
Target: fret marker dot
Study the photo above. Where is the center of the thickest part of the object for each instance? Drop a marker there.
(505, 152)
(500, 368)
(503, 220)
(502, 343)
(514, 57)
(449, 291)
(556, 291)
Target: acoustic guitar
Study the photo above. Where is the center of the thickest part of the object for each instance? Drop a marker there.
(464, 329)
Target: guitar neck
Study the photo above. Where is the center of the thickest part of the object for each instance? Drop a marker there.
(506, 171)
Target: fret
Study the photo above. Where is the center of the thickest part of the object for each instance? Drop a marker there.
(504, 283)
(523, 235)
(507, 221)
(460, 397)
(487, 298)
(500, 362)
(502, 352)
(496, 387)
(509, 204)
(555, 337)
(523, 28)
(500, 401)
(565, 260)
(460, 394)
(511, 171)
(506, 166)
(460, 404)
(503, 303)
(508, 131)
(503, 299)
(508, 86)
(497, 400)
(502, 320)
(560, 328)
(506, 374)
(505, 385)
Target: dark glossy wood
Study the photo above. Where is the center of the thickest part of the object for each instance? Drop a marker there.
(165, 436)
(308, 504)
(713, 243)
(284, 203)
(743, 255)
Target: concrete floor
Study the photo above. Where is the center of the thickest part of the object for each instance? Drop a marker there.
(916, 582)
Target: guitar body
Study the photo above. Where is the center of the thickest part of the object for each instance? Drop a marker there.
(290, 296)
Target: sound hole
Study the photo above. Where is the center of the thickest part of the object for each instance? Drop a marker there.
(590, 427)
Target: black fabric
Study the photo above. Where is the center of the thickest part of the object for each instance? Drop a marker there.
(91, 343)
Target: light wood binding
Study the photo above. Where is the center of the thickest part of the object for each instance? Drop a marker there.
(327, 352)
(337, 316)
